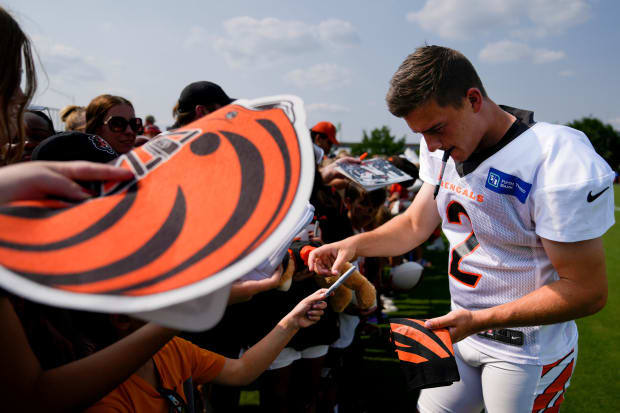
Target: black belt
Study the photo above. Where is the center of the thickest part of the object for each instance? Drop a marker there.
(512, 337)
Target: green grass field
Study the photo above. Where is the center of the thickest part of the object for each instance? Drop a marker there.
(595, 386)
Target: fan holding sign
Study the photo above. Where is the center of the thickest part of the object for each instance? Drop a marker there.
(176, 262)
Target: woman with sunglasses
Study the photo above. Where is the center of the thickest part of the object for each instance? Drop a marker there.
(24, 385)
(114, 119)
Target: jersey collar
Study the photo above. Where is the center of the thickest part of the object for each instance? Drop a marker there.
(525, 120)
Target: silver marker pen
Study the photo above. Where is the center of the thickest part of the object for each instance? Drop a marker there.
(340, 280)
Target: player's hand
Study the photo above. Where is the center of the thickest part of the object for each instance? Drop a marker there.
(308, 311)
(38, 180)
(329, 259)
(460, 324)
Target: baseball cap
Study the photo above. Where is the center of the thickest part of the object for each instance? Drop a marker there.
(202, 93)
(74, 146)
(328, 129)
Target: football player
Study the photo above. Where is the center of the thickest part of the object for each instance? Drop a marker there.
(524, 205)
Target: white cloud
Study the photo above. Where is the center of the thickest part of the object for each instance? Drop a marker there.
(457, 19)
(509, 51)
(559, 15)
(323, 76)
(338, 33)
(566, 73)
(454, 19)
(326, 108)
(248, 40)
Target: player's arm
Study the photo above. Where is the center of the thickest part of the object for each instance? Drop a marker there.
(239, 372)
(395, 237)
(580, 291)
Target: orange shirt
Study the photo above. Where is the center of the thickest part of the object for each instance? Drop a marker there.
(176, 362)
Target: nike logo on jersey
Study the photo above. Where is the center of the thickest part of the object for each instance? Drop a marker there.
(591, 197)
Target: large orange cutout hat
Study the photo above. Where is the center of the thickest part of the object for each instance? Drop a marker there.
(210, 202)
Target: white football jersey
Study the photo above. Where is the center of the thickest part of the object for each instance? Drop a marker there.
(540, 180)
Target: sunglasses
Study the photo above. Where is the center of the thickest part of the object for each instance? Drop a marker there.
(118, 124)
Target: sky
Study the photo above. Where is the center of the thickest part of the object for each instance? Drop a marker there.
(558, 58)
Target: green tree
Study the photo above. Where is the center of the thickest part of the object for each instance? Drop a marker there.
(604, 138)
(380, 142)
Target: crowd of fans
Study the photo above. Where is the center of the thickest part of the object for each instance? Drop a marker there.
(69, 360)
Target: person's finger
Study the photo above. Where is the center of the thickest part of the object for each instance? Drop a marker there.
(338, 265)
(319, 260)
(59, 185)
(316, 313)
(326, 261)
(313, 259)
(438, 322)
(309, 301)
(316, 296)
(320, 268)
(90, 171)
(349, 159)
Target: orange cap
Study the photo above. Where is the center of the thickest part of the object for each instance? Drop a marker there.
(328, 129)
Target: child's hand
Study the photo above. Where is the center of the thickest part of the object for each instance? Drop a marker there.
(308, 311)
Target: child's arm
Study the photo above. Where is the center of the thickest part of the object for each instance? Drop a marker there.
(244, 290)
(73, 386)
(239, 372)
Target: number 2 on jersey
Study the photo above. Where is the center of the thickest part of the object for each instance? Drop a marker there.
(456, 212)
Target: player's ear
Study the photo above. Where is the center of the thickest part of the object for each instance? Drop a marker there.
(474, 98)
